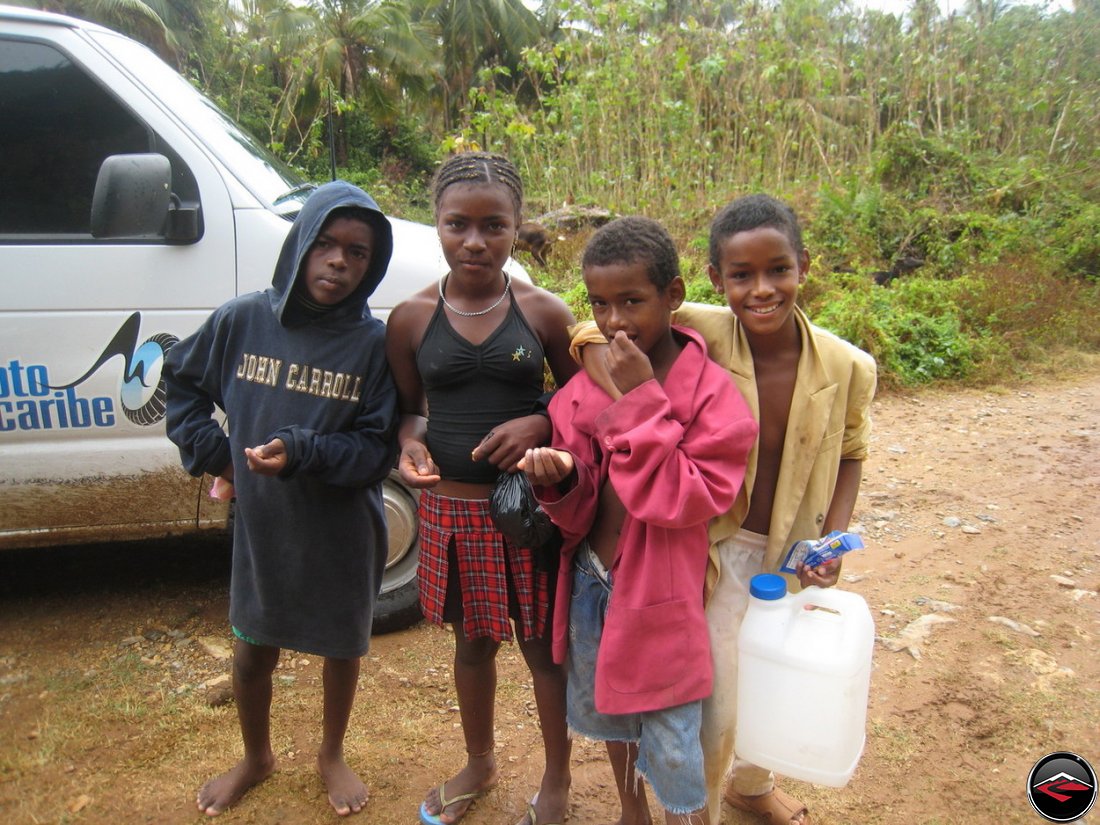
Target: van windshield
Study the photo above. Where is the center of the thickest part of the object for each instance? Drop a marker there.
(268, 178)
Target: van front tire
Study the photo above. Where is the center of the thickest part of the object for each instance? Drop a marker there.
(398, 605)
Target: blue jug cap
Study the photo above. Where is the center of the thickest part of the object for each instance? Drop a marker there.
(768, 586)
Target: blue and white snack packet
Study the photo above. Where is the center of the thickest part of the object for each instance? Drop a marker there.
(816, 553)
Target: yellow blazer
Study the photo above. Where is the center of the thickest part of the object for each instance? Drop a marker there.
(829, 421)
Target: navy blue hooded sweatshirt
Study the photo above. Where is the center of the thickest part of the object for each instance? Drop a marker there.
(309, 546)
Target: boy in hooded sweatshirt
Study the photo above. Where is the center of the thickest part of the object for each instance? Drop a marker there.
(300, 371)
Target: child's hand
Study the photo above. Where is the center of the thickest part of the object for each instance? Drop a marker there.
(268, 459)
(627, 365)
(222, 488)
(825, 575)
(594, 361)
(545, 466)
(415, 466)
(505, 445)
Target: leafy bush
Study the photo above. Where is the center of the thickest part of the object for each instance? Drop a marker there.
(1076, 240)
(701, 291)
(921, 166)
(1030, 311)
(914, 331)
(859, 223)
(577, 299)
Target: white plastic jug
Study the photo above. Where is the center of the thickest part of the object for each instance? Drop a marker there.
(803, 675)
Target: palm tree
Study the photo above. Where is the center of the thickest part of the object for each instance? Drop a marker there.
(165, 26)
(472, 35)
(369, 53)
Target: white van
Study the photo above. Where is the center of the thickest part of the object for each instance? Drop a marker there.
(130, 207)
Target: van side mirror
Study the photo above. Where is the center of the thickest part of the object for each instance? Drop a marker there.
(131, 197)
(133, 200)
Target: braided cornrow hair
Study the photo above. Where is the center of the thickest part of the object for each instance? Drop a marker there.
(479, 167)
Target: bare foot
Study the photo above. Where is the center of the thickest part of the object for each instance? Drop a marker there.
(346, 791)
(460, 791)
(222, 791)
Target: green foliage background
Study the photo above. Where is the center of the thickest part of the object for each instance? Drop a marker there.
(966, 142)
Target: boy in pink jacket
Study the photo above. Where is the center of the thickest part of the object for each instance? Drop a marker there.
(632, 479)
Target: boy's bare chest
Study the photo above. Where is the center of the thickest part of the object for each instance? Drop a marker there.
(775, 388)
(774, 391)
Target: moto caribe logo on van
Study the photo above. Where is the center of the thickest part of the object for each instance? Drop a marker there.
(29, 401)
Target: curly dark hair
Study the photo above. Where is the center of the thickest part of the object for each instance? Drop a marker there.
(479, 167)
(635, 240)
(752, 212)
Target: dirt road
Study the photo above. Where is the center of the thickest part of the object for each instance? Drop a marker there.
(979, 507)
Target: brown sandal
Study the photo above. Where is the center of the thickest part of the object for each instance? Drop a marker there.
(774, 807)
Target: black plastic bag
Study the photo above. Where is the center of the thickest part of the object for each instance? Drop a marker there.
(518, 515)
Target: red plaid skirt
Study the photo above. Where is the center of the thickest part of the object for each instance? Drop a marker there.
(483, 572)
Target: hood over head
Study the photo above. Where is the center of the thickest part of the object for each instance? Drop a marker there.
(288, 269)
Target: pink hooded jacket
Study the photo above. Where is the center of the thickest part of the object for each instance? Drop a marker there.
(676, 455)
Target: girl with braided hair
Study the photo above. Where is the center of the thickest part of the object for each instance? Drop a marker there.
(468, 357)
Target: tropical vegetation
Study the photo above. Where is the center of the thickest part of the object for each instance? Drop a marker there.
(950, 156)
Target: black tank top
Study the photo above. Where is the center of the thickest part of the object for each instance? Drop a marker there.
(471, 389)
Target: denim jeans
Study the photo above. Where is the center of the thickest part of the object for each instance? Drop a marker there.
(670, 755)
